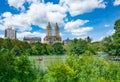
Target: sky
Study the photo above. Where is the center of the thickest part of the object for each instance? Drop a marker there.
(76, 18)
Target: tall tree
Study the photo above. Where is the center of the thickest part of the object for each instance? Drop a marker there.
(108, 45)
(58, 49)
(116, 37)
(78, 46)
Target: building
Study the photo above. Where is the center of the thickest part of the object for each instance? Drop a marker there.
(32, 39)
(67, 41)
(10, 33)
(51, 39)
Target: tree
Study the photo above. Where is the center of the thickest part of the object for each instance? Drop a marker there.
(50, 49)
(38, 49)
(16, 50)
(116, 37)
(78, 46)
(7, 44)
(58, 49)
(16, 69)
(1, 43)
(108, 45)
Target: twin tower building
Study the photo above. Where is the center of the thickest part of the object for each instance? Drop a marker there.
(51, 39)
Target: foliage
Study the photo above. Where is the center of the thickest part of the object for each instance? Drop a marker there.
(19, 47)
(38, 49)
(108, 45)
(58, 48)
(80, 46)
(16, 69)
(111, 44)
(7, 44)
(84, 69)
(116, 37)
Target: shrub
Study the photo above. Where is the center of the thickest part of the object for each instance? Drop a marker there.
(84, 69)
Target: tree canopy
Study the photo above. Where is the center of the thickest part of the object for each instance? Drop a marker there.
(116, 37)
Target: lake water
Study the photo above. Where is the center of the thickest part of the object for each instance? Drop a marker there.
(45, 61)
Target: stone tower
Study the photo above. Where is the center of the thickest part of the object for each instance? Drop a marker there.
(49, 30)
(57, 31)
(51, 39)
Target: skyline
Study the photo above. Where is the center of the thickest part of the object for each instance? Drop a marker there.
(76, 19)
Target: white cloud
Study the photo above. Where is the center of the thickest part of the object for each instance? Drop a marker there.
(106, 25)
(1, 36)
(116, 2)
(22, 22)
(75, 24)
(77, 7)
(17, 3)
(38, 14)
(110, 32)
(7, 14)
(81, 31)
(75, 27)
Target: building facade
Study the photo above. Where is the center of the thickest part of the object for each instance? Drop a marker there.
(51, 39)
(67, 41)
(10, 33)
(32, 39)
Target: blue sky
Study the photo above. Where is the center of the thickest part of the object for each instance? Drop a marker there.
(76, 18)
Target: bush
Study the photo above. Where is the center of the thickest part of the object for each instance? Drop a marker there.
(84, 69)
(16, 69)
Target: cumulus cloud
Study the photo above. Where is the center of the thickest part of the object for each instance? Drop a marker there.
(116, 2)
(22, 22)
(75, 27)
(38, 14)
(19, 4)
(77, 7)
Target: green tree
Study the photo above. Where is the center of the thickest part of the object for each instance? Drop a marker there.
(1, 43)
(16, 69)
(58, 49)
(38, 49)
(7, 44)
(16, 50)
(116, 37)
(78, 46)
(50, 49)
(108, 45)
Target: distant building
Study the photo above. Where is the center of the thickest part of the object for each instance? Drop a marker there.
(67, 41)
(32, 39)
(88, 39)
(10, 33)
(51, 39)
